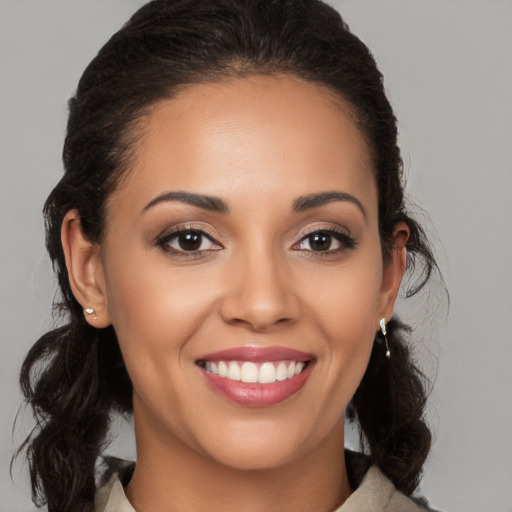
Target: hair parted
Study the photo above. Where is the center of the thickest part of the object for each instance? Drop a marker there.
(74, 376)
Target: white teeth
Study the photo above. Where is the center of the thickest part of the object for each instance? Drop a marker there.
(281, 371)
(263, 373)
(223, 369)
(267, 373)
(233, 371)
(291, 370)
(249, 372)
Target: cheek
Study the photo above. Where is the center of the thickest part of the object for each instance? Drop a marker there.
(347, 309)
(154, 312)
(152, 304)
(348, 299)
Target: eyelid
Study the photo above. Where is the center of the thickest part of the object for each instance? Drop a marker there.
(187, 226)
(327, 228)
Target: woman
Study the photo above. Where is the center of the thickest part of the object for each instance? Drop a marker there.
(230, 237)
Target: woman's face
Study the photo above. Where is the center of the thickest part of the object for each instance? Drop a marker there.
(244, 244)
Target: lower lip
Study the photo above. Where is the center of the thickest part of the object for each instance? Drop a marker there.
(258, 395)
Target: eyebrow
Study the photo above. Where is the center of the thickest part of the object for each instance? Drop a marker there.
(310, 201)
(217, 205)
(210, 203)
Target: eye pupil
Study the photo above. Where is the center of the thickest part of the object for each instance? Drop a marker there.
(190, 241)
(320, 241)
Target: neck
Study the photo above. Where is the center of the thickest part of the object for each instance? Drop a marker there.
(171, 476)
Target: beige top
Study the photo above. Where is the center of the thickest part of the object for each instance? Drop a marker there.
(375, 494)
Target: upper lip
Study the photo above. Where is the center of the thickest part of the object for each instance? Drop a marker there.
(257, 354)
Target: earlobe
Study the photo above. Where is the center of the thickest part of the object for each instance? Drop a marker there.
(85, 271)
(394, 269)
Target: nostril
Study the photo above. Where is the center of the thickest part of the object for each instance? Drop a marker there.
(259, 323)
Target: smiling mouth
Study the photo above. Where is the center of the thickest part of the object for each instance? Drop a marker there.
(266, 372)
(257, 376)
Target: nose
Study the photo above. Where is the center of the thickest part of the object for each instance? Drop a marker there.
(259, 294)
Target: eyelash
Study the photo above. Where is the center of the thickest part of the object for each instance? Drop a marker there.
(164, 241)
(346, 241)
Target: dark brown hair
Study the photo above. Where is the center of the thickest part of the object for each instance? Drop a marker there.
(74, 376)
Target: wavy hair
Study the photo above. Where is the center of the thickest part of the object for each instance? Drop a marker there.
(74, 377)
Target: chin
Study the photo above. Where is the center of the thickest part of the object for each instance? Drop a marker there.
(262, 446)
(247, 457)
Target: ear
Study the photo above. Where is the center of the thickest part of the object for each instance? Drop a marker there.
(85, 270)
(394, 269)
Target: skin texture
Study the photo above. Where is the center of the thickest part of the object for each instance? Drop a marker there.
(257, 143)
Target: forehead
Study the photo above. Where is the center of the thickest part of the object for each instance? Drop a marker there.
(261, 135)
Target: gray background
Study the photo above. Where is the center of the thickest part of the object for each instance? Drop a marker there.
(448, 70)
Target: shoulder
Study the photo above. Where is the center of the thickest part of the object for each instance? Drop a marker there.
(110, 497)
(376, 493)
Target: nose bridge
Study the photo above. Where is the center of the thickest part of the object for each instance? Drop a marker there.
(260, 293)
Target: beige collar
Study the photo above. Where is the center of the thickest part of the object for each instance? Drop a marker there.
(375, 494)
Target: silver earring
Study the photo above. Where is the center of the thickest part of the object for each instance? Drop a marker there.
(384, 333)
(90, 311)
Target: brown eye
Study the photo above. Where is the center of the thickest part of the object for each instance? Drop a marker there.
(326, 241)
(320, 241)
(188, 240)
